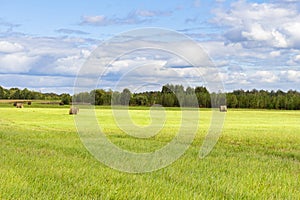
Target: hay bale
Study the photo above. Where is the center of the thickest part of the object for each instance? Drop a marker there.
(223, 108)
(19, 105)
(73, 111)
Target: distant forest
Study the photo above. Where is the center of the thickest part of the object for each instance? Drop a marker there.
(169, 96)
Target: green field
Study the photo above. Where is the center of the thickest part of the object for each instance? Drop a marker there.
(42, 157)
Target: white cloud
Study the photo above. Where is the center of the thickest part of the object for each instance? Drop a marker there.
(176, 62)
(16, 63)
(232, 77)
(256, 32)
(265, 77)
(52, 46)
(292, 31)
(44, 55)
(291, 75)
(10, 47)
(157, 64)
(297, 58)
(275, 53)
(96, 20)
(261, 24)
(71, 64)
(294, 58)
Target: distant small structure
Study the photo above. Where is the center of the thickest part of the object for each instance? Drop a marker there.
(19, 105)
(74, 111)
(223, 108)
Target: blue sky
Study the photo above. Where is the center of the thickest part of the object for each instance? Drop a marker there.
(254, 44)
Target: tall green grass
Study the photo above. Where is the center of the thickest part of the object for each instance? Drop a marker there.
(257, 157)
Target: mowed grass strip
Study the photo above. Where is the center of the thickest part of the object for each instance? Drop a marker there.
(257, 157)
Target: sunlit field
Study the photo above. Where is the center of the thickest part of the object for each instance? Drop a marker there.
(42, 156)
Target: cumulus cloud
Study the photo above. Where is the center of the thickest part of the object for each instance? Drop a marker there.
(294, 59)
(10, 47)
(43, 55)
(297, 58)
(16, 63)
(159, 63)
(275, 53)
(234, 78)
(48, 64)
(265, 77)
(291, 75)
(69, 65)
(261, 24)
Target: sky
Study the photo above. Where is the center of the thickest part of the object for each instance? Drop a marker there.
(44, 45)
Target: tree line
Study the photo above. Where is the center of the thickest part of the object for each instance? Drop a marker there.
(16, 93)
(177, 95)
(169, 96)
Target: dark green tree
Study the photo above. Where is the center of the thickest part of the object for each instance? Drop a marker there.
(125, 97)
(66, 99)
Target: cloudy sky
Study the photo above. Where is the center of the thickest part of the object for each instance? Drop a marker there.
(253, 44)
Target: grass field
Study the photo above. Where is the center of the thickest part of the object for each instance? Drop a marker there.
(42, 156)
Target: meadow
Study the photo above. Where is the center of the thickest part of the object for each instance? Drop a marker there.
(256, 157)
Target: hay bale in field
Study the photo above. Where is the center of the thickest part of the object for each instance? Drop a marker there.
(73, 111)
(223, 108)
(19, 105)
